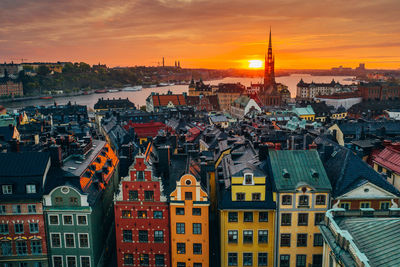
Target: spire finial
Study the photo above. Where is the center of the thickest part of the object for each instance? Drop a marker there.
(270, 42)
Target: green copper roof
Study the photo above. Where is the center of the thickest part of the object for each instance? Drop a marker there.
(304, 111)
(377, 238)
(293, 168)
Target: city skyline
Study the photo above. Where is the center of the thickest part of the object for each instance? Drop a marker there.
(204, 34)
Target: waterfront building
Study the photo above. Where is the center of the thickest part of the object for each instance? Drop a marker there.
(308, 91)
(10, 87)
(379, 91)
(22, 224)
(302, 196)
(246, 217)
(142, 218)
(79, 205)
(199, 88)
(354, 238)
(189, 217)
(156, 102)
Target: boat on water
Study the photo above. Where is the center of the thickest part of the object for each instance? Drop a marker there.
(46, 97)
(170, 84)
(113, 90)
(101, 91)
(163, 84)
(153, 85)
(133, 88)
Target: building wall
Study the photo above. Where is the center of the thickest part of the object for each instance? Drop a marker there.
(294, 228)
(11, 89)
(392, 177)
(240, 247)
(226, 100)
(188, 184)
(11, 218)
(127, 217)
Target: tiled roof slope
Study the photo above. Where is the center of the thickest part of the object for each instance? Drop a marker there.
(163, 100)
(389, 158)
(303, 166)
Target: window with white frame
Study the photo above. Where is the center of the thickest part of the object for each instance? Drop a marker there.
(83, 240)
(30, 189)
(248, 179)
(69, 240)
(57, 261)
(71, 261)
(85, 261)
(67, 220)
(82, 220)
(7, 189)
(53, 220)
(55, 240)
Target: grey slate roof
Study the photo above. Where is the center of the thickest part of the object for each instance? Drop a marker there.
(346, 171)
(301, 165)
(20, 169)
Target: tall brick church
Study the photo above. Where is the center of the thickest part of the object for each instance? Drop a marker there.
(269, 94)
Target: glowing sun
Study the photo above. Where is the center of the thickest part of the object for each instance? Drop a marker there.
(255, 64)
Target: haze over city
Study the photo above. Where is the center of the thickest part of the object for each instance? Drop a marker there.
(207, 34)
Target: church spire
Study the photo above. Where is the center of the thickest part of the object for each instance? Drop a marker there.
(270, 41)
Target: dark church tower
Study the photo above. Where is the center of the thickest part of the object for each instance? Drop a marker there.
(269, 73)
(270, 95)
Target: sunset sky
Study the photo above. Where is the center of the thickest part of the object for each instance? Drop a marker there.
(202, 33)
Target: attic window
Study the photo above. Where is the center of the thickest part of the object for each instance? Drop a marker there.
(248, 179)
(285, 173)
(314, 173)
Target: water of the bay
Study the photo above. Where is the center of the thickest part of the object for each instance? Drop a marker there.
(139, 97)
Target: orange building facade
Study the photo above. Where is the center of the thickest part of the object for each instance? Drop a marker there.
(189, 224)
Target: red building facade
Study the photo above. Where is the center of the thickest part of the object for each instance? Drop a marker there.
(142, 219)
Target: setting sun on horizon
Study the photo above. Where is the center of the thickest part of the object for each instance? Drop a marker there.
(255, 64)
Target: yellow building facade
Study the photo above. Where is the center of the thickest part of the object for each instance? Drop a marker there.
(300, 242)
(189, 217)
(247, 217)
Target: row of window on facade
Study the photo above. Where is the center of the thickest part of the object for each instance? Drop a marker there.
(304, 200)
(18, 209)
(18, 228)
(7, 189)
(301, 240)
(69, 240)
(262, 259)
(247, 216)
(383, 205)
(144, 259)
(68, 220)
(58, 261)
(21, 247)
(233, 236)
(247, 259)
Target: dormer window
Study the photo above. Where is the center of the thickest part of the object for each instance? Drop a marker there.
(30, 189)
(248, 179)
(285, 173)
(7, 189)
